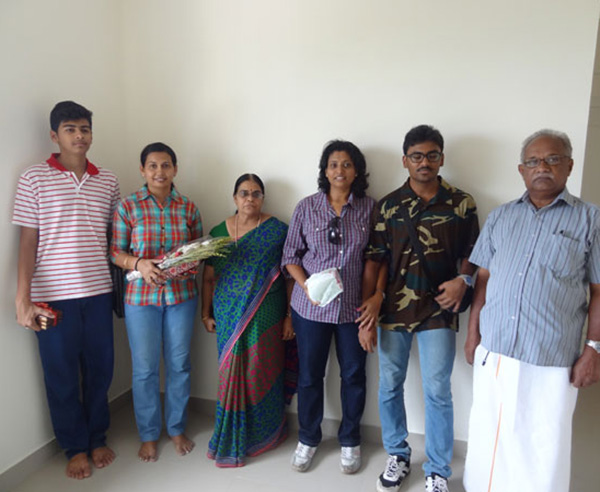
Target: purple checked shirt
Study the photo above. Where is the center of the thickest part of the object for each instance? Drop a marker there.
(307, 245)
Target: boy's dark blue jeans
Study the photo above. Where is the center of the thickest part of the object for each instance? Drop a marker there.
(77, 358)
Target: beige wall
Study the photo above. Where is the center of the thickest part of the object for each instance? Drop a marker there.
(49, 51)
(260, 86)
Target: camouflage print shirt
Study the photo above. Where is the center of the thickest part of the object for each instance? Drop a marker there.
(447, 227)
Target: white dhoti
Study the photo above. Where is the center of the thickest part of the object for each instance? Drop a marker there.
(520, 426)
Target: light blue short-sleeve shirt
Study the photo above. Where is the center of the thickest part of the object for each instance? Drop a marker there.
(541, 263)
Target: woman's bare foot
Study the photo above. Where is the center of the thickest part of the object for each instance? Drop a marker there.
(79, 467)
(183, 445)
(148, 451)
(102, 456)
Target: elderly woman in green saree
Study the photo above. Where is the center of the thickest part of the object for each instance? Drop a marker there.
(245, 302)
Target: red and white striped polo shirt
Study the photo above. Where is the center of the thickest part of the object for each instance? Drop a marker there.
(72, 219)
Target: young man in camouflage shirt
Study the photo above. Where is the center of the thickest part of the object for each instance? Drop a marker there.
(412, 304)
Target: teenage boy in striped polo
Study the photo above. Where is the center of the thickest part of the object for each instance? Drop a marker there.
(63, 207)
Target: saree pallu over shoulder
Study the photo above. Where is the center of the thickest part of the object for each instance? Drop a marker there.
(249, 307)
(247, 316)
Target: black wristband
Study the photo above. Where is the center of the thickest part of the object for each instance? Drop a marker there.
(136, 263)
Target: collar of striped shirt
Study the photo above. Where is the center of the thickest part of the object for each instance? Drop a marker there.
(53, 162)
(564, 196)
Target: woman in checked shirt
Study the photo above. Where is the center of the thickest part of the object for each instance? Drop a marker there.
(159, 312)
(330, 229)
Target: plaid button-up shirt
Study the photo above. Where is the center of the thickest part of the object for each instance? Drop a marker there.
(307, 245)
(144, 228)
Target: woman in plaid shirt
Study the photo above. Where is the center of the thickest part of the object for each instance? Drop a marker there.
(159, 312)
(330, 229)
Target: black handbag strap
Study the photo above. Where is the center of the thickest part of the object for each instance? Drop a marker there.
(417, 246)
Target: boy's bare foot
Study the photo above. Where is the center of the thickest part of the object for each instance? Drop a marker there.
(102, 456)
(183, 445)
(148, 451)
(79, 467)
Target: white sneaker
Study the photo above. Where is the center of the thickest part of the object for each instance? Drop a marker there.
(350, 459)
(436, 483)
(302, 457)
(396, 470)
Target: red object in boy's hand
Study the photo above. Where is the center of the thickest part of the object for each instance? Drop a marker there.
(45, 321)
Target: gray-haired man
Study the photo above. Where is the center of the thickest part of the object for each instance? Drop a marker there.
(538, 257)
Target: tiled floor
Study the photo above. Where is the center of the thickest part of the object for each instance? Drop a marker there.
(269, 472)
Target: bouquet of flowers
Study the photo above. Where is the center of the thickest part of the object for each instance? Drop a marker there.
(185, 259)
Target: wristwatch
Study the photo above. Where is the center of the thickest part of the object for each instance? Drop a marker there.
(595, 344)
(467, 279)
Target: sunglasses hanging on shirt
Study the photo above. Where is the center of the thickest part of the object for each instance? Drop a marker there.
(334, 233)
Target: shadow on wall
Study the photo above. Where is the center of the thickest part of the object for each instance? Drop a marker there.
(467, 166)
(279, 191)
(385, 169)
(586, 438)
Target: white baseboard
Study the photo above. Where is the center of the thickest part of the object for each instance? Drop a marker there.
(14, 475)
(329, 427)
(21, 470)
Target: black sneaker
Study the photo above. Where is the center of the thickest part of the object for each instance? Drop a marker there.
(436, 483)
(396, 469)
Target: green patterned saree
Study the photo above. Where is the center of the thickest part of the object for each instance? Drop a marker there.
(249, 307)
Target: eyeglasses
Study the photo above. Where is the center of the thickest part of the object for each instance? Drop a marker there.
(417, 157)
(551, 160)
(334, 234)
(257, 195)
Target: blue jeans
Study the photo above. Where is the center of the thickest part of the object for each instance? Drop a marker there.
(313, 340)
(77, 358)
(150, 329)
(437, 349)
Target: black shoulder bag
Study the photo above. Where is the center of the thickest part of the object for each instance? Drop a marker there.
(117, 276)
(416, 244)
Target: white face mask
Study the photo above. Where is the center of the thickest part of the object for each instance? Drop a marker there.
(325, 286)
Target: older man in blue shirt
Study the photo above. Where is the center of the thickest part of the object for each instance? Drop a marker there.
(538, 257)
